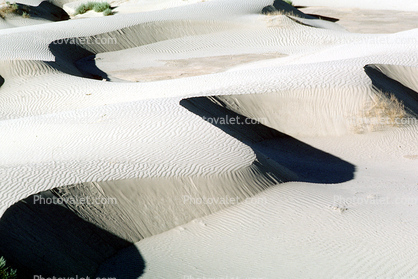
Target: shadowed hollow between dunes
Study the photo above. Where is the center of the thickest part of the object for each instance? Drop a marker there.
(70, 238)
(76, 56)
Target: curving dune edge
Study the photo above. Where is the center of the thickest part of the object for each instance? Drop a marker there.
(207, 139)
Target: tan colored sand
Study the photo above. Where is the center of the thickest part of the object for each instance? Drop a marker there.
(181, 68)
(369, 21)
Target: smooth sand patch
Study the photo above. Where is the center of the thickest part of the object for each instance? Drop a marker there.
(369, 21)
(180, 68)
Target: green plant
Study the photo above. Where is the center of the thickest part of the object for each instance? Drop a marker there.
(108, 12)
(101, 6)
(83, 8)
(95, 6)
(288, 2)
(25, 15)
(5, 271)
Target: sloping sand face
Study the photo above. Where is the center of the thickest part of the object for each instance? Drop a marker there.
(166, 152)
(130, 210)
(72, 230)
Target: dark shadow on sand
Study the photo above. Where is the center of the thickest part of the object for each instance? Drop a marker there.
(51, 240)
(87, 66)
(71, 58)
(326, 18)
(44, 10)
(285, 8)
(308, 163)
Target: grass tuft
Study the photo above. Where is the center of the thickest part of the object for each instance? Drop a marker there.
(5, 271)
(108, 12)
(95, 6)
(282, 13)
(381, 111)
(101, 7)
(83, 8)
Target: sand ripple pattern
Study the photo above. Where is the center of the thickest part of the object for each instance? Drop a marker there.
(156, 138)
(59, 128)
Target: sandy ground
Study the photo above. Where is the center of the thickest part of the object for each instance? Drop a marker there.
(232, 144)
(182, 67)
(406, 5)
(368, 21)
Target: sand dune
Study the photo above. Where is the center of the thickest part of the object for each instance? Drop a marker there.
(137, 107)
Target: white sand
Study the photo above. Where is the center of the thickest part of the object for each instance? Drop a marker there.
(368, 21)
(140, 141)
(405, 5)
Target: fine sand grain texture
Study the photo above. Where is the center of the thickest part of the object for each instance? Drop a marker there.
(209, 139)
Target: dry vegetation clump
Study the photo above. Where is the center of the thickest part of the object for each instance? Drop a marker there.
(8, 9)
(13, 9)
(291, 13)
(382, 111)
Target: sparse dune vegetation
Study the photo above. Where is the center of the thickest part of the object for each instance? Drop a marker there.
(5, 271)
(387, 106)
(98, 7)
(380, 113)
(108, 12)
(8, 9)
